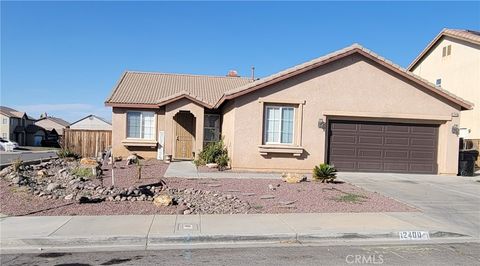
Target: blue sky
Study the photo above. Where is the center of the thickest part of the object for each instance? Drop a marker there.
(63, 58)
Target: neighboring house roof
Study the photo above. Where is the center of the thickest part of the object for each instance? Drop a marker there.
(56, 120)
(34, 129)
(139, 88)
(150, 88)
(97, 117)
(355, 48)
(470, 36)
(49, 123)
(10, 112)
(7, 111)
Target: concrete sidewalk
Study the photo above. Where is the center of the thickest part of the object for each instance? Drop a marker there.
(187, 169)
(140, 232)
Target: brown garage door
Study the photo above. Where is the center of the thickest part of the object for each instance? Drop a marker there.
(383, 147)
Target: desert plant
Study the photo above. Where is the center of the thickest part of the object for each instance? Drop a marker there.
(351, 198)
(66, 153)
(17, 163)
(222, 161)
(324, 172)
(82, 172)
(214, 152)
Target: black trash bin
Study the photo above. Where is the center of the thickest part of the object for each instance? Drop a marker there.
(466, 162)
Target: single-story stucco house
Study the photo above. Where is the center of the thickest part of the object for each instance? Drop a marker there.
(351, 108)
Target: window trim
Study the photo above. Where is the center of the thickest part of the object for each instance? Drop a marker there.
(154, 135)
(265, 121)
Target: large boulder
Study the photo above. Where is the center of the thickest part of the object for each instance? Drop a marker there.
(88, 162)
(293, 178)
(5, 171)
(163, 200)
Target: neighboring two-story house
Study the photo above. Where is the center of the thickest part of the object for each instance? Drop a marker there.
(452, 62)
(13, 125)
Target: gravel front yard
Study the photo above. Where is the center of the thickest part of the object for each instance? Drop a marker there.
(258, 195)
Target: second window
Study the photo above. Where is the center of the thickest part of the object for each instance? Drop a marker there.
(279, 125)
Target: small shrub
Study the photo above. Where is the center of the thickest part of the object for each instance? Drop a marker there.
(66, 153)
(324, 172)
(215, 152)
(351, 198)
(82, 172)
(16, 164)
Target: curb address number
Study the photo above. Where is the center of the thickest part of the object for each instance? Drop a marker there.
(413, 235)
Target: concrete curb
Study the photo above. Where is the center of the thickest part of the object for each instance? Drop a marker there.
(37, 161)
(142, 242)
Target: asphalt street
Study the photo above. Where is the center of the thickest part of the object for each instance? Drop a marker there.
(431, 254)
(8, 157)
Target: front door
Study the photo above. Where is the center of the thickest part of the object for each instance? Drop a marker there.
(184, 135)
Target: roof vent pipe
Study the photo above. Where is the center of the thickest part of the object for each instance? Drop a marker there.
(253, 73)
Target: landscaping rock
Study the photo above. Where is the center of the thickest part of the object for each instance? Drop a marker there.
(88, 162)
(69, 197)
(271, 187)
(42, 173)
(286, 202)
(132, 159)
(5, 171)
(267, 197)
(51, 187)
(294, 178)
(163, 200)
(211, 165)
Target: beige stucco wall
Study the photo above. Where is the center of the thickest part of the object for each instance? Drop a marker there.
(352, 86)
(5, 128)
(119, 132)
(164, 122)
(460, 74)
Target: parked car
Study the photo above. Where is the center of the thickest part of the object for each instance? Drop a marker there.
(7, 145)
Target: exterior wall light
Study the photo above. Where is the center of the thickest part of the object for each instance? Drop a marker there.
(322, 124)
(455, 129)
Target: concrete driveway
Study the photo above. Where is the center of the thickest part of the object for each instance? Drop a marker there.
(452, 200)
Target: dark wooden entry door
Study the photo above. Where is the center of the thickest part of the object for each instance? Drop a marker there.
(383, 147)
(184, 135)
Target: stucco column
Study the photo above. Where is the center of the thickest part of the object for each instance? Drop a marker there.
(448, 148)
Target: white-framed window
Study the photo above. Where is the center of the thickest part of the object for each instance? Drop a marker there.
(279, 121)
(5, 121)
(141, 125)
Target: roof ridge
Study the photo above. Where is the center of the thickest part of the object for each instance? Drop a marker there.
(182, 74)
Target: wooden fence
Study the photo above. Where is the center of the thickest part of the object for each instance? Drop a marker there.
(87, 143)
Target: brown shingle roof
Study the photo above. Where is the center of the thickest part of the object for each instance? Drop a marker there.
(355, 48)
(470, 36)
(160, 88)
